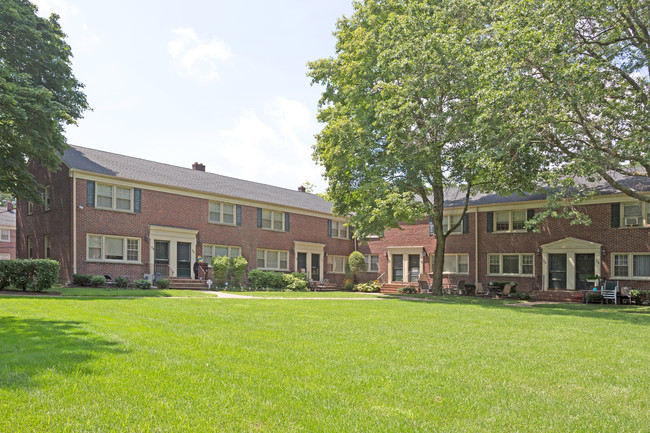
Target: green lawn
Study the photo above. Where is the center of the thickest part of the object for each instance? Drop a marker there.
(98, 364)
(267, 294)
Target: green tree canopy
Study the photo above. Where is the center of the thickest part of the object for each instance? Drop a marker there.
(39, 95)
(572, 76)
(401, 118)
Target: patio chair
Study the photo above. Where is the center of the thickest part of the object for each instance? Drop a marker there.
(480, 291)
(624, 295)
(609, 291)
(505, 292)
(423, 284)
(460, 288)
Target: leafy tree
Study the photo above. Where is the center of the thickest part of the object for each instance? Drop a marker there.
(5, 198)
(400, 116)
(573, 77)
(357, 265)
(39, 95)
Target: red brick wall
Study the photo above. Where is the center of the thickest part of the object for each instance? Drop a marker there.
(57, 222)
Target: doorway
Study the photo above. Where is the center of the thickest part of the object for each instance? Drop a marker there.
(398, 267)
(585, 265)
(315, 267)
(557, 271)
(414, 268)
(161, 257)
(184, 259)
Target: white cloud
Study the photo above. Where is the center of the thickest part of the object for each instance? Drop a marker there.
(197, 58)
(272, 147)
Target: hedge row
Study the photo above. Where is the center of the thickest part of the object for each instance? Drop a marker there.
(32, 275)
(269, 280)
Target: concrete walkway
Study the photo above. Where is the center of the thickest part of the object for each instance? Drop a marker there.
(230, 295)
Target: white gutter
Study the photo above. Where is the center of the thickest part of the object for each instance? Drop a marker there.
(74, 223)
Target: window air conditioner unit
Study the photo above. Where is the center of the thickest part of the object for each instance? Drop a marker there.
(632, 221)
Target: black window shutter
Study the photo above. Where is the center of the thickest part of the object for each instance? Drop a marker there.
(530, 214)
(490, 222)
(432, 228)
(90, 194)
(616, 215)
(286, 221)
(329, 228)
(465, 224)
(259, 217)
(137, 200)
(238, 215)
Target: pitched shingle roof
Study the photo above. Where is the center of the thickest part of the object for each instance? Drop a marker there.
(7, 218)
(142, 170)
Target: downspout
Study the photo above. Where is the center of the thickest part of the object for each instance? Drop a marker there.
(476, 244)
(74, 222)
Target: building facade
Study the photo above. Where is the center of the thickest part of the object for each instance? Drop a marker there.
(7, 232)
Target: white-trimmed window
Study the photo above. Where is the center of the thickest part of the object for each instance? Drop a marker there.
(372, 262)
(272, 220)
(455, 264)
(631, 265)
(336, 264)
(222, 213)
(633, 214)
(5, 235)
(47, 197)
(210, 251)
(339, 230)
(113, 197)
(510, 221)
(511, 264)
(30, 207)
(112, 248)
(47, 245)
(273, 260)
(449, 220)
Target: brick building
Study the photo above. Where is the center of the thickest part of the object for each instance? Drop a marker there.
(7, 232)
(111, 214)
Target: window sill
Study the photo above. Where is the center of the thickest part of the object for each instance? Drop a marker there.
(223, 224)
(511, 275)
(455, 273)
(273, 230)
(115, 210)
(115, 262)
(273, 269)
(508, 231)
(631, 278)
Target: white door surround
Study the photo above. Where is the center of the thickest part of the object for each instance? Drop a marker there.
(570, 247)
(173, 235)
(309, 248)
(405, 252)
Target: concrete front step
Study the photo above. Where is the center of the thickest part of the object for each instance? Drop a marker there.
(186, 283)
(557, 296)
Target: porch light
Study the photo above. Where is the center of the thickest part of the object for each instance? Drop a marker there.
(602, 251)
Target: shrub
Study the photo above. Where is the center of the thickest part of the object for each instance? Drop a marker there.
(348, 284)
(162, 283)
(639, 296)
(594, 297)
(301, 275)
(522, 296)
(256, 279)
(142, 284)
(237, 270)
(98, 281)
(372, 286)
(220, 267)
(409, 290)
(266, 280)
(81, 279)
(122, 282)
(32, 275)
(293, 283)
(357, 265)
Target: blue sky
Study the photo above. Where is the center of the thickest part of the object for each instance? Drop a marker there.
(219, 82)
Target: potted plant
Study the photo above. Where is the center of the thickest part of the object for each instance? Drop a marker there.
(593, 279)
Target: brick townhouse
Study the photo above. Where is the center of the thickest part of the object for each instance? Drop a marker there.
(7, 232)
(492, 243)
(110, 214)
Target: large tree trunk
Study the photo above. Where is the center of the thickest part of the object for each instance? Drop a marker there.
(439, 255)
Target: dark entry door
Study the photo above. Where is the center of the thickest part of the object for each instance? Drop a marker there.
(161, 257)
(398, 267)
(184, 259)
(414, 267)
(557, 271)
(585, 265)
(315, 267)
(302, 263)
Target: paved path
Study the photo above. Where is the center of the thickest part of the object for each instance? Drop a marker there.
(231, 295)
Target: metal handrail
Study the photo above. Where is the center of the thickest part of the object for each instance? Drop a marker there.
(169, 271)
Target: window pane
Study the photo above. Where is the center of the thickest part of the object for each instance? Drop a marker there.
(518, 219)
(284, 260)
(343, 231)
(620, 265)
(114, 248)
(449, 266)
(453, 219)
(510, 264)
(4, 235)
(272, 259)
(641, 266)
(215, 212)
(123, 198)
(374, 263)
(132, 248)
(228, 214)
(494, 264)
(631, 210)
(502, 220)
(277, 220)
(220, 251)
(207, 253)
(527, 264)
(335, 229)
(266, 219)
(104, 196)
(463, 264)
(235, 251)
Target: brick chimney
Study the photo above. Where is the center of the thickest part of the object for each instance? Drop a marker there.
(302, 188)
(198, 166)
(10, 206)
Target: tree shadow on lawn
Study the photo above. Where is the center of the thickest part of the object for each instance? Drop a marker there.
(30, 347)
(632, 314)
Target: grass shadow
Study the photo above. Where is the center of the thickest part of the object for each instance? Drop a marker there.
(31, 347)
